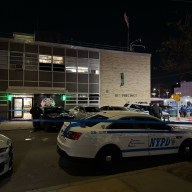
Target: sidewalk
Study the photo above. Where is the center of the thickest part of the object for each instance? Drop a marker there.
(147, 180)
(16, 125)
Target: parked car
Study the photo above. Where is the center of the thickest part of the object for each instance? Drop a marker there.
(126, 134)
(53, 117)
(6, 154)
(110, 108)
(83, 111)
(145, 109)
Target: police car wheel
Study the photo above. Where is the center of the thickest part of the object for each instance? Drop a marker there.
(108, 156)
(185, 150)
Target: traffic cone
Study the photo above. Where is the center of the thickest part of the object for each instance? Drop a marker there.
(178, 118)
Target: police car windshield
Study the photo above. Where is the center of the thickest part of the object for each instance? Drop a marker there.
(94, 120)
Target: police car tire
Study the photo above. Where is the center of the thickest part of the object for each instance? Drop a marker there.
(185, 150)
(109, 156)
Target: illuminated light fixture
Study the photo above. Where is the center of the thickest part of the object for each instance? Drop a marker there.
(63, 97)
(9, 97)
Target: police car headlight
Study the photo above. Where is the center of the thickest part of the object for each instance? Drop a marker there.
(9, 142)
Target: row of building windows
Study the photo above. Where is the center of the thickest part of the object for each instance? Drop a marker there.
(48, 50)
(31, 61)
(85, 99)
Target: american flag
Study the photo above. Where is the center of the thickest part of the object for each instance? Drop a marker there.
(126, 20)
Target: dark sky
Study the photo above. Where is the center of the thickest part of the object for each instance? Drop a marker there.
(98, 22)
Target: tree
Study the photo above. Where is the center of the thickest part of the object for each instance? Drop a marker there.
(176, 52)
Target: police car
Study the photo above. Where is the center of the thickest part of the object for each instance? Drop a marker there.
(144, 107)
(108, 136)
(6, 155)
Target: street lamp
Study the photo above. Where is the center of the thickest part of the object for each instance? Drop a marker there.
(167, 92)
(154, 93)
(157, 91)
(132, 43)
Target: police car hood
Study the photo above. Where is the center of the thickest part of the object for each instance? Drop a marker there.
(182, 128)
(4, 141)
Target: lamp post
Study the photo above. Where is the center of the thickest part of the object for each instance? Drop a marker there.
(132, 43)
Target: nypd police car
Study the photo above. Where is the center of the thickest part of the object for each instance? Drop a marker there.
(6, 155)
(110, 135)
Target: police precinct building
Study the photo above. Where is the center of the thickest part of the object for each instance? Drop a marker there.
(68, 75)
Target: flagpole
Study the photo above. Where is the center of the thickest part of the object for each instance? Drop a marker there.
(127, 23)
(128, 39)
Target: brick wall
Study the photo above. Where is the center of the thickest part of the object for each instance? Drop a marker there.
(137, 77)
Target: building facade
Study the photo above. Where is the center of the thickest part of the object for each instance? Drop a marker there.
(185, 88)
(32, 71)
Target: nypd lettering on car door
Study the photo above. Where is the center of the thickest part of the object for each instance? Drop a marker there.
(164, 142)
(159, 142)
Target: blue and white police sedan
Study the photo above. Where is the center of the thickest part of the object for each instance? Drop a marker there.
(108, 136)
(6, 154)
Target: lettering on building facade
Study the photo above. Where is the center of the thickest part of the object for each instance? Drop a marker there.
(126, 95)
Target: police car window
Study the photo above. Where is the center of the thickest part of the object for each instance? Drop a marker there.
(156, 125)
(138, 122)
(135, 106)
(95, 117)
(121, 125)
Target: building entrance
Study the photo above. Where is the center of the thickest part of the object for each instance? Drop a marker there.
(21, 106)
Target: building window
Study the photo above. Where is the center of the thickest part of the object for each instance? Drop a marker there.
(71, 64)
(4, 45)
(44, 59)
(59, 51)
(17, 47)
(31, 61)
(93, 55)
(82, 98)
(71, 52)
(94, 66)
(58, 64)
(31, 48)
(82, 54)
(93, 98)
(45, 62)
(57, 60)
(71, 99)
(16, 60)
(3, 59)
(82, 66)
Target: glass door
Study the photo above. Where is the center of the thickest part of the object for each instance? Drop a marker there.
(18, 107)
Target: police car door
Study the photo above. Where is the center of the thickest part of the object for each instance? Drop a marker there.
(162, 140)
(131, 137)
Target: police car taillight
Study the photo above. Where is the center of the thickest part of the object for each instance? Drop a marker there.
(73, 135)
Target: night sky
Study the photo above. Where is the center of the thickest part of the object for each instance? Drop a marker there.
(98, 22)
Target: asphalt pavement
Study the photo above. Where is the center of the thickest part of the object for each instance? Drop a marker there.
(156, 179)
